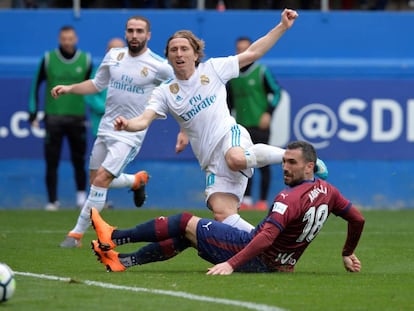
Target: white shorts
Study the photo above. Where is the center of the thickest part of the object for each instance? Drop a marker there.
(111, 154)
(219, 177)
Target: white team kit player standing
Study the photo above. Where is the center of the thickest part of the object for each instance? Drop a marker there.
(130, 74)
(196, 98)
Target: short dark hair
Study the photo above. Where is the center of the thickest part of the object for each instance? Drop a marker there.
(244, 38)
(309, 152)
(140, 18)
(66, 28)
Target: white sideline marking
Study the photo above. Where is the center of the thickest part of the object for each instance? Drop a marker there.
(243, 304)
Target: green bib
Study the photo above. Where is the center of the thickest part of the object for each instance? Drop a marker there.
(64, 71)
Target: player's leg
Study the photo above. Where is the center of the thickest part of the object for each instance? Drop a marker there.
(136, 182)
(108, 158)
(262, 136)
(52, 151)
(218, 242)
(155, 230)
(153, 252)
(74, 236)
(225, 209)
(265, 173)
(166, 233)
(242, 157)
(247, 201)
(76, 134)
(225, 188)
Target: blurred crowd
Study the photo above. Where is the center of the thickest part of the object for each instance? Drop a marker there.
(220, 4)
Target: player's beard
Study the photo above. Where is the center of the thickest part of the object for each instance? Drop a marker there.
(137, 49)
(293, 181)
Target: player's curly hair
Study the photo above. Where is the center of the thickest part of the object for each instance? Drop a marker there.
(196, 43)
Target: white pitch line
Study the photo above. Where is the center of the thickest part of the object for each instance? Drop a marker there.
(243, 304)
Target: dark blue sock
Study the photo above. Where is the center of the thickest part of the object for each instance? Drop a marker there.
(157, 251)
(155, 230)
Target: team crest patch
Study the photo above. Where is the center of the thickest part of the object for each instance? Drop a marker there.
(120, 56)
(279, 208)
(144, 72)
(204, 80)
(174, 88)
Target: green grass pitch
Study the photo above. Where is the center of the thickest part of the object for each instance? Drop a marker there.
(51, 278)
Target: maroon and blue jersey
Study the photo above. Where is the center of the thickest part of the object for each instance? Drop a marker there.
(296, 217)
(276, 244)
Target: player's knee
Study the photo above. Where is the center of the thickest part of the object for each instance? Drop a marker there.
(236, 161)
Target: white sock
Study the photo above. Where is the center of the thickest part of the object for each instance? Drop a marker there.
(96, 199)
(80, 198)
(236, 221)
(260, 155)
(123, 181)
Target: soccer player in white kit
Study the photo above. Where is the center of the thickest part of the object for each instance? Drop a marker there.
(130, 74)
(196, 98)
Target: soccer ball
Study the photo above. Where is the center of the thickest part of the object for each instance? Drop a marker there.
(7, 282)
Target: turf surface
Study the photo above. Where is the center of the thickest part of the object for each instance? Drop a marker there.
(51, 278)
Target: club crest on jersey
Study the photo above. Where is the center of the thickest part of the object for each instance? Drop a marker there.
(144, 72)
(204, 80)
(120, 56)
(279, 208)
(174, 88)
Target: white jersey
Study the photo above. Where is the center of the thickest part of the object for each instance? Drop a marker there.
(130, 81)
(199, 104)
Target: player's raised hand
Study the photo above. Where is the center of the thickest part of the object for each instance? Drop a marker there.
(352, 263)
(120, 123)
(221, 269)
(59, 90)
(288, 17)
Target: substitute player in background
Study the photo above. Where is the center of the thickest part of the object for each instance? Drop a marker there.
(130, 74)
(196, 98)
(65, 118)
(296, 217)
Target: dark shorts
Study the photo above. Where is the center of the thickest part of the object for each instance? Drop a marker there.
(218, 242)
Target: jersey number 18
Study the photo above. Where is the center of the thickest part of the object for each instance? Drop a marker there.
(315, 217)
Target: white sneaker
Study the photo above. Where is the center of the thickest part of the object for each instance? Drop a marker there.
(52, 207)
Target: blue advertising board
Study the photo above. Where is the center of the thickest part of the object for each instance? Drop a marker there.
(343, 119)
(350, 119)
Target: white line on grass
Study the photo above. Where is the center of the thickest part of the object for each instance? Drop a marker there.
(243, 304)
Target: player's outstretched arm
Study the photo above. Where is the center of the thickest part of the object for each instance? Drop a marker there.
(266, 42)
(352, 263)
(83, 88)
(137, 124)
(223, 268)
(60, 90)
